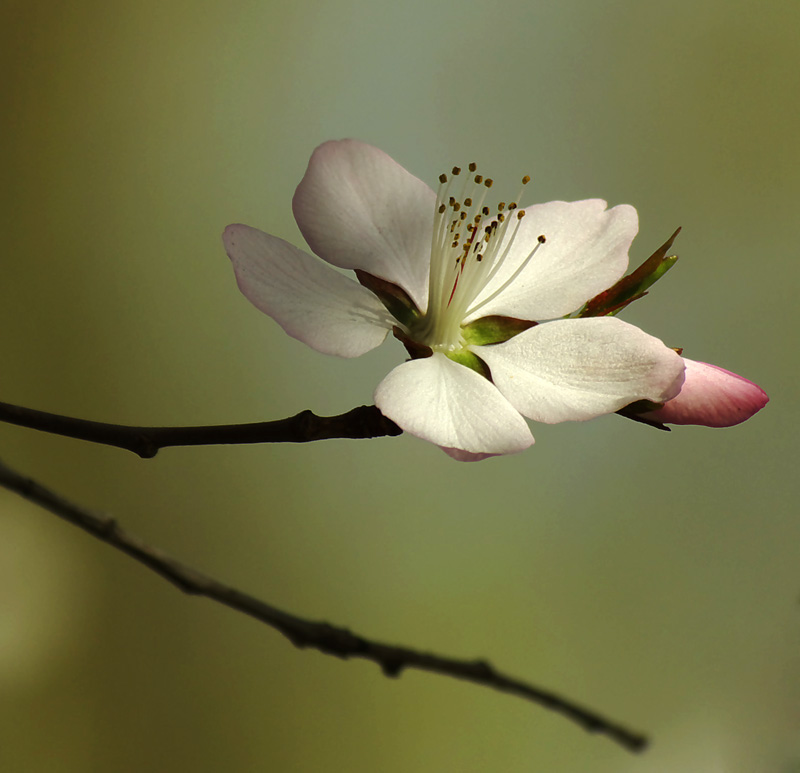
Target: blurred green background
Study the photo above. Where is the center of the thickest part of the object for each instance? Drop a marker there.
(654, 577)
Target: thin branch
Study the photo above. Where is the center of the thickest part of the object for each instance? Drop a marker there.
(366, 421)
(329, 639)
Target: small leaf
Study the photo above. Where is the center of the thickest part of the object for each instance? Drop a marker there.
(634, 410)
(470, 360)
(415, 350)
(494, 329)
(634, 286)
(396, 300)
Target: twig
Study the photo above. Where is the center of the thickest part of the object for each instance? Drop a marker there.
(330, 639)
(366, 421)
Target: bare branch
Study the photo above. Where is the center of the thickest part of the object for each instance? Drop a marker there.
(366, 421)
(329, 639)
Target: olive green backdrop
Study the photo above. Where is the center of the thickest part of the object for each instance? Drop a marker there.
(652, 576)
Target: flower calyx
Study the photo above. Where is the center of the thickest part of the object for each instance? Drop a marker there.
(633, 286)
(396, 300)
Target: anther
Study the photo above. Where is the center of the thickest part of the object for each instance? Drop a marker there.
(488, 182)
(468, 202)
(442, 209)
(473, 166)
(512, 205)
(541, 239)
(478, 178)
(485, 211)
(520, 214)
(456, 170)
(526, 179)
(442, 178)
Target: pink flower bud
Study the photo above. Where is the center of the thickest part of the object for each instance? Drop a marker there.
(711, 396)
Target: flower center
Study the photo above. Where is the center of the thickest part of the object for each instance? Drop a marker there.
(466, 255)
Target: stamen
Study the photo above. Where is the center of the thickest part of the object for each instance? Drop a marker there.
(467, 251)
(539, 242)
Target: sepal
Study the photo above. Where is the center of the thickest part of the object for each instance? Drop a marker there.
(396, 300)
(470, 360)
(416, 350)
(494, 329)
(633, 286)
(635, 410)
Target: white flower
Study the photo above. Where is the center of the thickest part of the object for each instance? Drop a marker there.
(462, 280)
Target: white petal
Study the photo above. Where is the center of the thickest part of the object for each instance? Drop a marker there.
(585, 252)
(452, 406)
(358, 208)
(576, 369)
(310, 301)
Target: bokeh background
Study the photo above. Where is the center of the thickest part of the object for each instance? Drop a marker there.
(654, 577)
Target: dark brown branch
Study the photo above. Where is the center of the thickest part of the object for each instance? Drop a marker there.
(330, 639)
(365, 421)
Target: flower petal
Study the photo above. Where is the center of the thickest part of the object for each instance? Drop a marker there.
(358, 208)
(576, 369)
(713, 397)
(586, 251)
(448, 404)
(310, 301)
(465, 456)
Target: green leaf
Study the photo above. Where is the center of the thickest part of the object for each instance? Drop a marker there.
(494, 329)
(634, 286)
(468, 359)
(396, 300)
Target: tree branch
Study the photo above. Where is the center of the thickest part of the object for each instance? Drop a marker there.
(366, 421)
(329, 639)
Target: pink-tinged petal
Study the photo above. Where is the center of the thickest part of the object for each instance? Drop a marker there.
(577, 369)
(358, 208)
(452, 406)
(465, 456)
(313, 303)
(713, 397)
(585, 252)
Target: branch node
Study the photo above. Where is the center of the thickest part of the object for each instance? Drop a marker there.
(484, 668)
(392, 667)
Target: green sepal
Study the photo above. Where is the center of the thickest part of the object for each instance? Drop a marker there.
(472, 361)
(634, 410)
(396, 300)
(494, 329)
(415, 350)
(634, 286)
